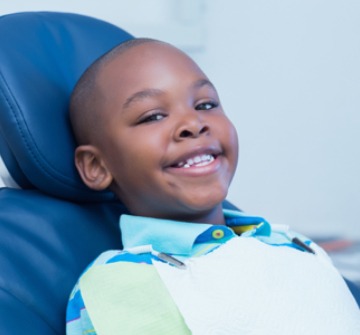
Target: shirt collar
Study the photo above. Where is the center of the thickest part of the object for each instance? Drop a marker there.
(178, 237)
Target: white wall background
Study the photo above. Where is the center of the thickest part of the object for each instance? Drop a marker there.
(288, 72)
(289, 75)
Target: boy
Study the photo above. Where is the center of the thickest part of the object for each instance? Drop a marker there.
(150, 127)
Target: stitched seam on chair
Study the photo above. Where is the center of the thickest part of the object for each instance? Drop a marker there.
(27, 305)
(66, 180)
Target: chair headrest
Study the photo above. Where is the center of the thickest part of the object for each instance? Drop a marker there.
(42, 55)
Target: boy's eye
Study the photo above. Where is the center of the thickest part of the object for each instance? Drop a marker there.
(152, 118)
(206, 105)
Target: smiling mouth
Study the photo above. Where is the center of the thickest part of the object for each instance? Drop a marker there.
(196, 161)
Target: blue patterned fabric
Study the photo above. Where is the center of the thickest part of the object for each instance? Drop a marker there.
(179, 239)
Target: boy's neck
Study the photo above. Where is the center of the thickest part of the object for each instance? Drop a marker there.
(214, 217)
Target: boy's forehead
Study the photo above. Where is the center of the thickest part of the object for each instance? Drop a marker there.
(134, 60)
(154, 66)
(146, 51)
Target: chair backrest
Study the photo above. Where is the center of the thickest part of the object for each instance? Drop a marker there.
(42, 55)
(53, 226)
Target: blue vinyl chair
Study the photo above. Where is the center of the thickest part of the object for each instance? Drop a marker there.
(51, 225)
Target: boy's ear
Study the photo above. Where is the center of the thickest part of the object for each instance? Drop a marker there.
(92, 168)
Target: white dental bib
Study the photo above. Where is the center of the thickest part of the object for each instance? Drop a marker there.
(248, 287)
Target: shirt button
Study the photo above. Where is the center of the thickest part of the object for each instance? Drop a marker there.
(217, 234)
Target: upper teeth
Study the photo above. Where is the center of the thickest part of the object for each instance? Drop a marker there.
(197, 160)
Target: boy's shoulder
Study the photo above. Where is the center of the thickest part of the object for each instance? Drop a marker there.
(76, 307)
(114, 256)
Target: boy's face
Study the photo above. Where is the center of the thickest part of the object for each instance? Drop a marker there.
(167, 143)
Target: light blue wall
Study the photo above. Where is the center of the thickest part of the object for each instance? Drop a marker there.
(288, 73)
(289, 76)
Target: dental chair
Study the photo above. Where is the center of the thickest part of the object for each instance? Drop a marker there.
(51, 225)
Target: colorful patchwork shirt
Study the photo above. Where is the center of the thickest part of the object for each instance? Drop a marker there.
(122, 292)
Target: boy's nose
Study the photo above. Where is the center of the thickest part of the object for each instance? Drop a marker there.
(191, 127)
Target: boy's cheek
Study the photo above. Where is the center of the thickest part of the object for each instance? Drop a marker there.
(233, 140)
